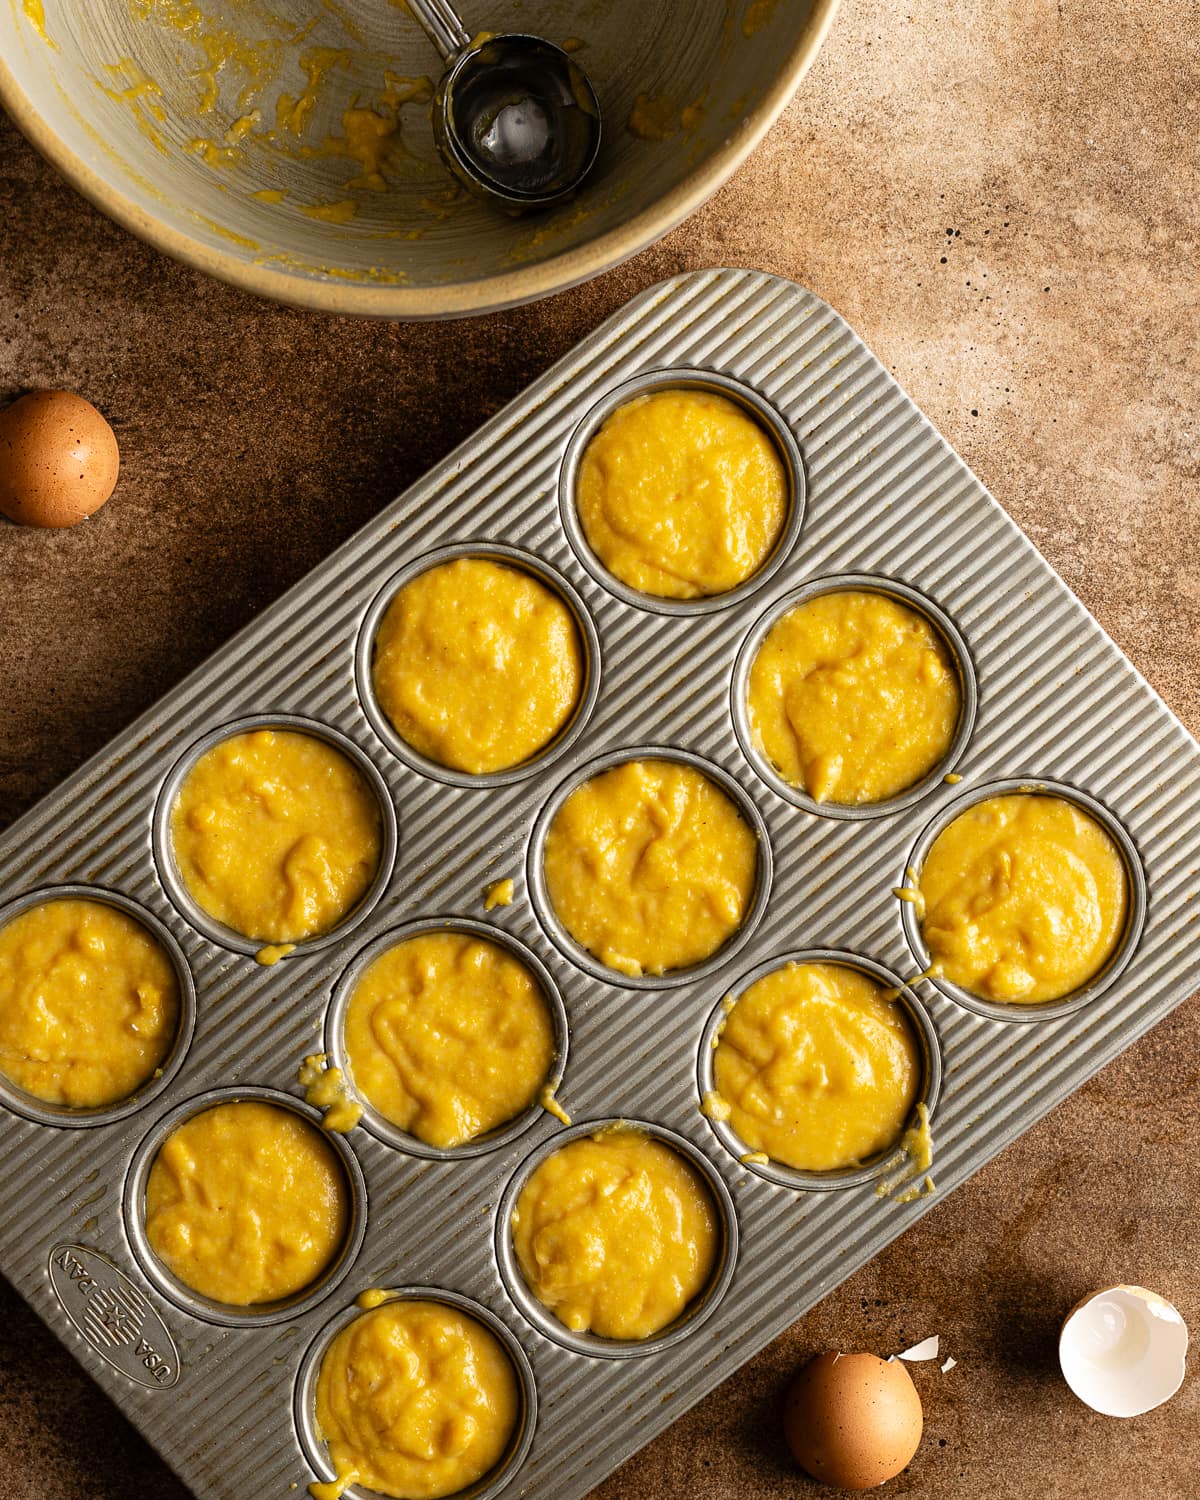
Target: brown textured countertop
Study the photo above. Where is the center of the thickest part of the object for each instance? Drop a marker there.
(1003, 200)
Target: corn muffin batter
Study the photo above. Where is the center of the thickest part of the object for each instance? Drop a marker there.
(448, 1036)
(498, 893)
(276, 834)
(682, 494)
(650, 866)
(853, 697)
(616, 1233)
(478, 666)
(1024, 898)
(817, 1067)
(247, 1203)
(416, 1400)
(325, 1089)
(89, 1003)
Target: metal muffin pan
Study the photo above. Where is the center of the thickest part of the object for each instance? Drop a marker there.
(881, 496)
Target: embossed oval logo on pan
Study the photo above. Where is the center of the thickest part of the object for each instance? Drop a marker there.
(115, 1318)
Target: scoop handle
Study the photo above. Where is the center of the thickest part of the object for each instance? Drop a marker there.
(442, 25)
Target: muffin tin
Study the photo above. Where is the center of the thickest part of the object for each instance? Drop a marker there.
(876, 494)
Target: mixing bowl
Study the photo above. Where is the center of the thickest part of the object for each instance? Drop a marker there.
(287, 148)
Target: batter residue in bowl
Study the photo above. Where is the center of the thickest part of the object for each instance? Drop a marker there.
(255, 82)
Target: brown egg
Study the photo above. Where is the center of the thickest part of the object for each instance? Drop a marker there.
(852, 1420)
(58, 459)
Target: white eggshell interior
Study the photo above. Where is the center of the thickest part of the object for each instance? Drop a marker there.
(1123, 1350)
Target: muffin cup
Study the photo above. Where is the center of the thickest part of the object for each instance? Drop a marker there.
(655, 382)
(535, 874)
(693, 1316)
(164, 853)
(903, 594)
(335, 1043)
(304, 1401)
(523, 562)
(841, 1177)
(207, 1309)
(1135, 915)
(43, 1113)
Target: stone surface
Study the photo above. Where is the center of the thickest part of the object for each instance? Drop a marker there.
(1003, 200)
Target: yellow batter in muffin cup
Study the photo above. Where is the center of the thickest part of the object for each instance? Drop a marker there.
(1024, 898)
(817, 1065)
(417, 1397)
(277, 834)
(478, 663)
(853, 696)
(616, 1235)
(247, 1203)
(449, 1034)
(683, 492)
(652, 866)
(91, 1002)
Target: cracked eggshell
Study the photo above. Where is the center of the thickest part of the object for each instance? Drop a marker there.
(1123, 1350)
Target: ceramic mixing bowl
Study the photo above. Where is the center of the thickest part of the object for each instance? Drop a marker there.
(286, 147)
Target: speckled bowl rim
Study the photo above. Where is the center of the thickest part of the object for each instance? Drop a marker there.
(489, 294)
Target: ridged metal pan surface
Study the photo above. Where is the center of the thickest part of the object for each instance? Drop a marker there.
(882, 495)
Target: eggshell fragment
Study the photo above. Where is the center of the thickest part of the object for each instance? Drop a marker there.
(58, 459)
(1123, 1350)
(926, 1349)
(853, 1420)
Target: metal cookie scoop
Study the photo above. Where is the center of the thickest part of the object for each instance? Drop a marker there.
(514, 118)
